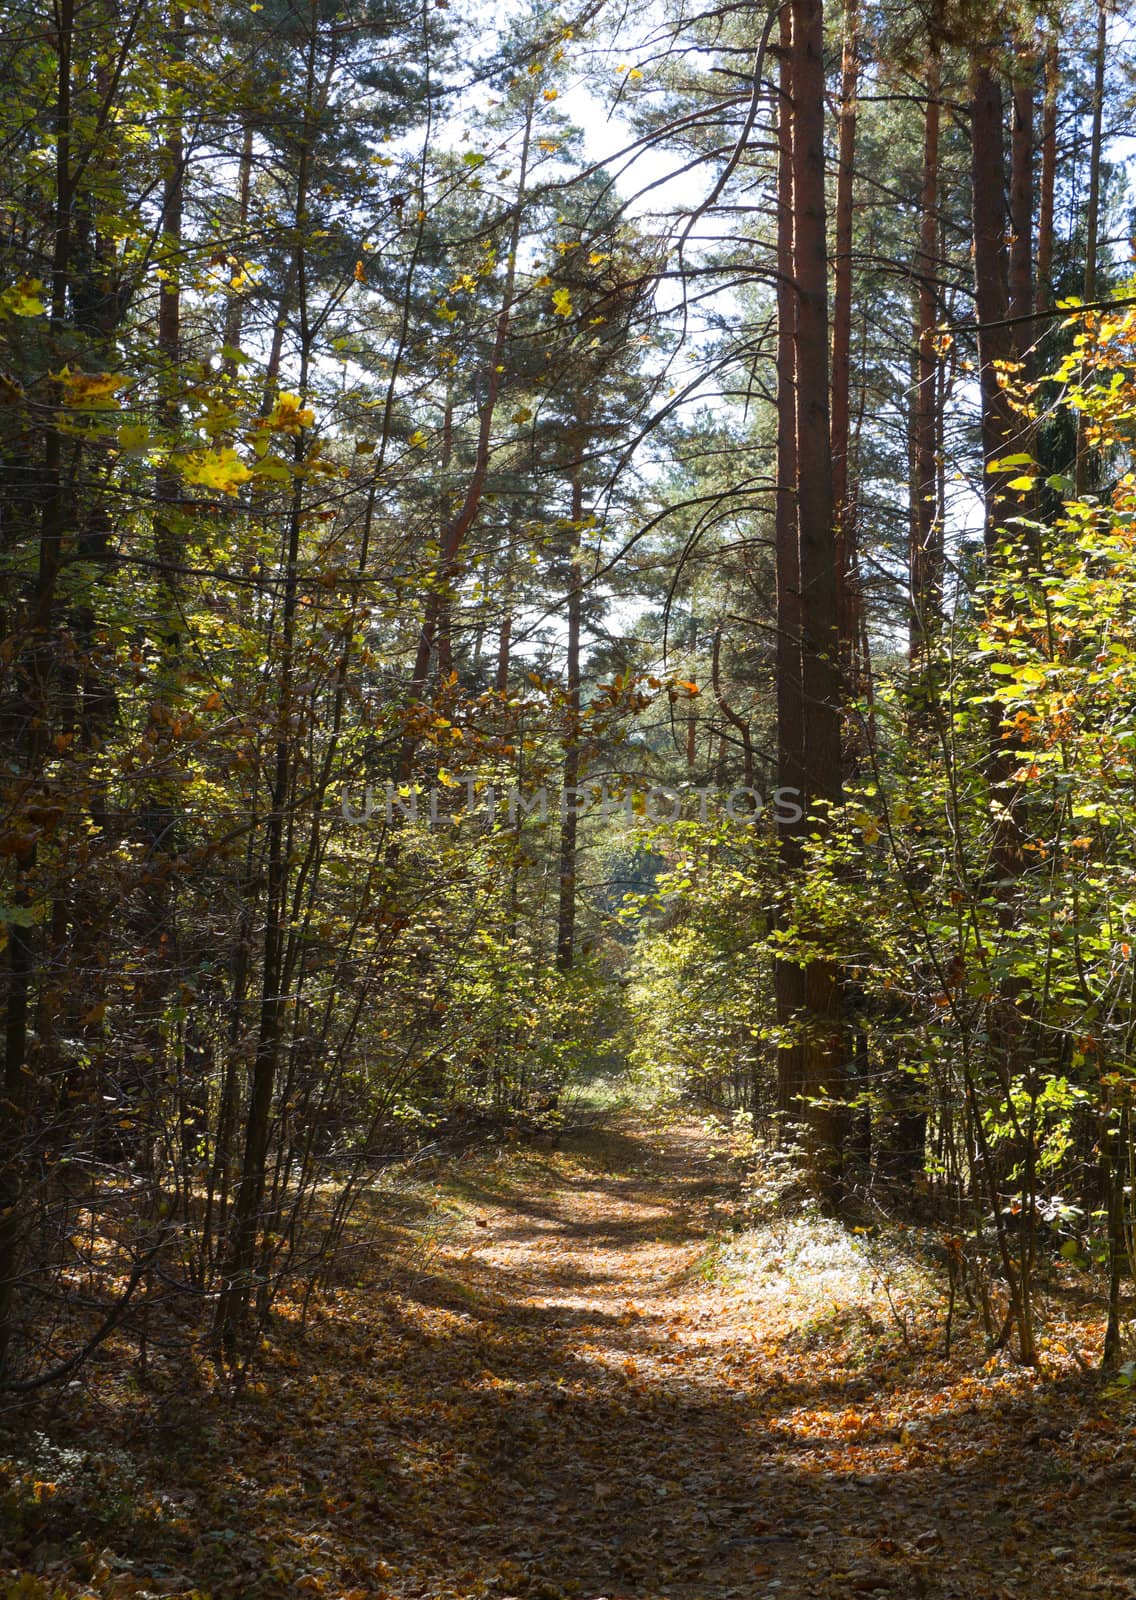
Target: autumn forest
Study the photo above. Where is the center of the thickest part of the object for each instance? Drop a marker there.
(567, 800)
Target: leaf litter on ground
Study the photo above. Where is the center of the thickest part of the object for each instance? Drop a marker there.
(599, 1371)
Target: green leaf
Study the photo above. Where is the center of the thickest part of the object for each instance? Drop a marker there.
(133, 437)
(1004, 463)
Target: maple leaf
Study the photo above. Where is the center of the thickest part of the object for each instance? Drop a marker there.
(133, 437)
(23, 299)
(91, 391)
(220, 469)
(289, 415)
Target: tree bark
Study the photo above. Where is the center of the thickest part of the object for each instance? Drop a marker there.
(821, 1086)
(454, 535)
(1048, 178)
(1092, 217)
(842, 489)
(569, 820)
(988, 177)
(926, 553)
(788, 976)
(999, 427)
(233, 1301)
(234, 310)
(38, 669)
(505, 630)
(1021, 203)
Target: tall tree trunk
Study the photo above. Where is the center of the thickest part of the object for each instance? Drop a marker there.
(1092, 216)
(443, 637)
(842, 489)
(926, 553)
(821, 1088)
(569, 819)
(988, 178)
(996, 347)
(1021, 202)
(38, 671)
(233, 1302)
(454, 535)
(234, 310)
(907, 1143)
(1048, 178)
(155, 925)
(788, 976)
(505, 629)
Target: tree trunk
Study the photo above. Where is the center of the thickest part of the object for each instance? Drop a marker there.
(926, 554)
(38, 671)
(569, 820)
(234, 311)
(1021, 203)
(1048, 179)
(505, 630)
(788, 976)
(455, 533)
(821, 1086)
(233, 1302)
(842, 489)
(1092, 217)
(999, 426)
(988, 177)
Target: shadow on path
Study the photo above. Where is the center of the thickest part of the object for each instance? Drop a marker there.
(569, 1406)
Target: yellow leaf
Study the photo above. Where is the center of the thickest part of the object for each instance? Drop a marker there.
(133, 437)
(562, 302)
(23, 299)
(289, 415)
(220, 469)
(550, 94)
(91, 391)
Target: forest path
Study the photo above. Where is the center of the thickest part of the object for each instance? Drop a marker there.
(558, 1375)
(609, 1414)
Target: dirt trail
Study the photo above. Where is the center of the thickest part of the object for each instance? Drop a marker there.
(620, 1423)
(539, 1382)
